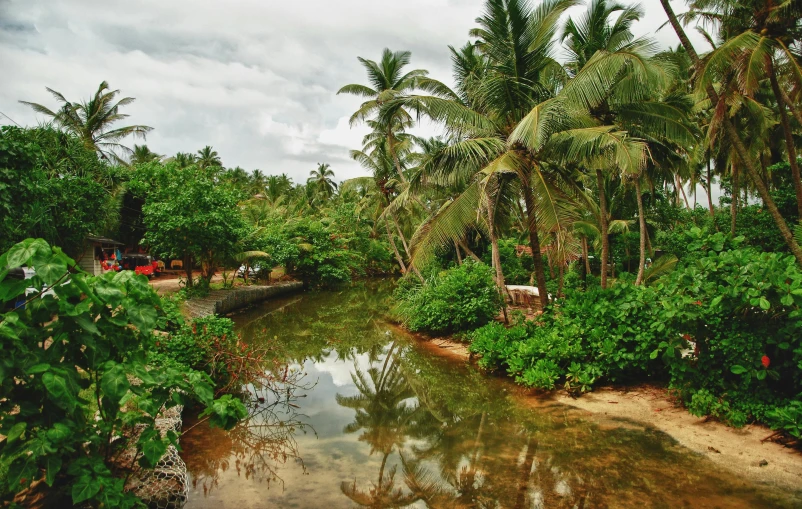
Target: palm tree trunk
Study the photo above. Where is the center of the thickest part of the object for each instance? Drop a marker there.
(642, 228)
(526, 469)
(736, 141)
(603, 223)
(534, 242)
(585, 255)
(681, 189)
(788, 102)
(459, 255)
(495, 255)
(709, 189)
(789, 139)
(395, 249)
(401, 235)
(734, 202)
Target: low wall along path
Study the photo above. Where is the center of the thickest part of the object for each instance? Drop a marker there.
(220, 302)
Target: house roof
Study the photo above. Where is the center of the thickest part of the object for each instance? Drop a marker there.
(104, 240)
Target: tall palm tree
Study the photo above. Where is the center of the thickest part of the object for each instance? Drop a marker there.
(322, 181)
(731, 132)
(760, 40)
(389, 82)
(519, 126)
(92, 121)
(609, 60)
(142, 154)
(208, 158)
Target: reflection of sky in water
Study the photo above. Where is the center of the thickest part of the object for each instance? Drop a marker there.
(330, 458)
(468, 436)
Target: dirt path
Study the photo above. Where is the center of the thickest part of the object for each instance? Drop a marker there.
(738, 450)
(165, 285)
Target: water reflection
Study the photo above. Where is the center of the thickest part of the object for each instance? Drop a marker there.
(395, 426)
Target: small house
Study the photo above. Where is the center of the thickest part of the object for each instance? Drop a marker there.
(100, 255)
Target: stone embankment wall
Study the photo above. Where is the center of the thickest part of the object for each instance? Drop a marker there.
(220, 302)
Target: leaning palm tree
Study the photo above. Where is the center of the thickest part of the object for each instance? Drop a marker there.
(730, 130)
(92, 121)
(322, 181)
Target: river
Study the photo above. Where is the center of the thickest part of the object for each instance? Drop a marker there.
(378, 421)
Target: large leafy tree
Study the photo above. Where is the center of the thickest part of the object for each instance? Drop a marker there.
(52, 187)
(93, 120)
(190, 216)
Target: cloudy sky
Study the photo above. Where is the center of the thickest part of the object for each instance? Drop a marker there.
(256, 79)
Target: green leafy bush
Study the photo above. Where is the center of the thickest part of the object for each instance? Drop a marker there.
(596, 335)
(725, 328)
(460, 298)
(65, 393)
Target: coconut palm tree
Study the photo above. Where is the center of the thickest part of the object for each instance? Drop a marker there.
(142, 154)
(389, 82)
(208, 158)
(321, 181)
(760, 40)
(746, 159)
(92, 121)
(519, 126)
(184, 159)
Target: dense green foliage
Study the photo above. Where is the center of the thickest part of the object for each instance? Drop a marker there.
(191, 217)
(460, 298)
(723, 329)
(65, 392)
(52, 187)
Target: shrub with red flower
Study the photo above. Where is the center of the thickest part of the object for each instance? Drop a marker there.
(765, 361)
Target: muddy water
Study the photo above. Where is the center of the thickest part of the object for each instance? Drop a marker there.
(380, 422)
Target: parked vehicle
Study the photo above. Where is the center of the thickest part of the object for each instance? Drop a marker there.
(139, 263)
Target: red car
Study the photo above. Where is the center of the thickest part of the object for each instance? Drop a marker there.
(139, 263)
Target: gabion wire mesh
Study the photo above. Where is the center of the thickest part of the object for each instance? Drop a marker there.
(167, 485)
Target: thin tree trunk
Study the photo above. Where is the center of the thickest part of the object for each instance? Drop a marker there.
(734, 202)
(534, 242)
(681, 189)
(526, 470)
(401, 235)
(789, 139)
(495, 255)
(560, 281)
(788, 102)
(459, 255)
(468, 251)
(603, 220)
(709, 189)
(736, 140)
(585, 255)
(188, 270)
(398, 257)
(642, 228)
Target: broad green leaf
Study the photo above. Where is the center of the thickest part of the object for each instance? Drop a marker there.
(20, 254)
(764, 303)
(52, 467)
(58, 432)
(48, 267)
(37, 368)
(142, 316)
(87, 324)
(761, 375)
(56, 385)
(84, 488)
(152, 451)
(15, 432)
(738, 369)
(114, 383)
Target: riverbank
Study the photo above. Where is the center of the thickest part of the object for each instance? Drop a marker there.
(739, 450)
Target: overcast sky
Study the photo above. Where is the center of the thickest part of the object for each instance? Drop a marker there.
(256, 79)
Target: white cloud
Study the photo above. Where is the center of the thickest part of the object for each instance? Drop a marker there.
(256, 79)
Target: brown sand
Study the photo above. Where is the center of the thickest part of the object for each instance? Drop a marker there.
(740, 451)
